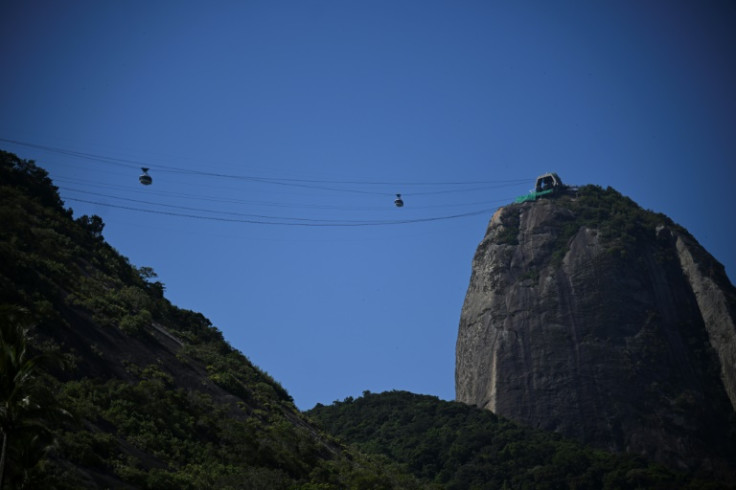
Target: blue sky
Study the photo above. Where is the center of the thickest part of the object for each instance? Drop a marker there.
(279, 132)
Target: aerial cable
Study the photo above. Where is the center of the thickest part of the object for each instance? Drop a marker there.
(450, 191)
(244, 202)
(186, 208)
(281, 223)
(79, 154)
(270, 180)
(300, 205)
(273, 180)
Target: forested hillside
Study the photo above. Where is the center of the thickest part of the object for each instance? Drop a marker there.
(106, 384)
(457, 446)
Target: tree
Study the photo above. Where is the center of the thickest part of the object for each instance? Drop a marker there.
(25, 405)
(93, 224)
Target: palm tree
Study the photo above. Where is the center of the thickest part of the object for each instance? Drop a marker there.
(24, 404)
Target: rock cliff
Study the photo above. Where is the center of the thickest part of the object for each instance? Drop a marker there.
(589, 316)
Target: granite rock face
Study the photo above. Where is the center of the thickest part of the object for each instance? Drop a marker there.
(589, 316)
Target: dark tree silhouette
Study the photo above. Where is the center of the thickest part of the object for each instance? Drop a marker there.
(25, 405)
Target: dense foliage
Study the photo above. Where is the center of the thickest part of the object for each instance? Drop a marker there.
(623, 225)
(456, 446)
(154, 396)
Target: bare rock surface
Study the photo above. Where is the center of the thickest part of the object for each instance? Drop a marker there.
(589, 316)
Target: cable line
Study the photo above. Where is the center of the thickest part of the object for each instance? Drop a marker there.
(308, 183)
(281, 223)
(186, 208)
(314, 196)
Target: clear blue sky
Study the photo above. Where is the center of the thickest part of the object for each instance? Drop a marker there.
(306, 113)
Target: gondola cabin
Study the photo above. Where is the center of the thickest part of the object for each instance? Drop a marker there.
(144, 178)
(548, 184)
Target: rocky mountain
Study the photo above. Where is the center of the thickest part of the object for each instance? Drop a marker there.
(589, 316)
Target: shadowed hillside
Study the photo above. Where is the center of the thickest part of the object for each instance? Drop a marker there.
(456, 446)
(149, 395)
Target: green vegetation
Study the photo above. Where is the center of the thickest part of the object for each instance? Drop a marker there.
(26, 405)
(509, 234)
(455, 446)
(151, 396)
(623, 226)
(157, 399)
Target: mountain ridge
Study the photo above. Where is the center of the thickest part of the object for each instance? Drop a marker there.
(455, 446)
(155, 395)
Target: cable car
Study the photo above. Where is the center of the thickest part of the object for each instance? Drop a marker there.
(550, 181)
(398, 202)
(144, 178)
(549, 185)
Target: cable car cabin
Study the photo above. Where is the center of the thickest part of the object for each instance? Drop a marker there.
(144, 178)
(548, 184)
(398, 202)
